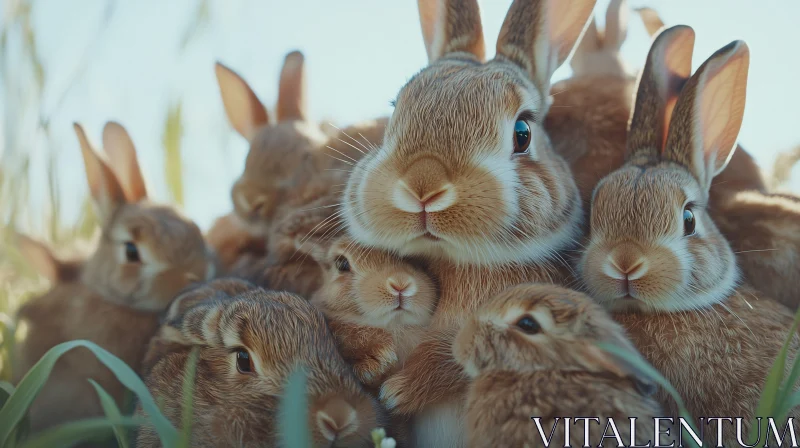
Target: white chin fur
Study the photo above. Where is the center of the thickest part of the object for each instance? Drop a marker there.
(486, 253)
(440, 426)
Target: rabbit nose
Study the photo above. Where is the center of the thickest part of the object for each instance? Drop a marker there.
(625, 264)
(408, 200)
(337, 419)
(401, 286)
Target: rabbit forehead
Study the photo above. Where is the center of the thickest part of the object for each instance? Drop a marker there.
(642, 203)
(453, 108)
(167, 236)
(279, 149)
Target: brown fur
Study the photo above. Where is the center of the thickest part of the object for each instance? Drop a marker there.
(598, 53)
(588, 121)
(763, 231)
(556, 372)
(447, 184)
(231, 240)
(708, 355)
(698, 328)
(106, 298)
(361, 307)
(71, 311)
(233, 409)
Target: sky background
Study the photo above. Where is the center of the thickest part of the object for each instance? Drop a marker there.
(358, 54)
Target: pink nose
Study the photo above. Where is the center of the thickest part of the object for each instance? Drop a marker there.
(625, 270)
(407, 199)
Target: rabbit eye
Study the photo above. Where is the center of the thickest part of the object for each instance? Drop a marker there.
(342, 264)
(528, 325)
(688, 221)
(244, 364)
(132, 253)
(522, 137)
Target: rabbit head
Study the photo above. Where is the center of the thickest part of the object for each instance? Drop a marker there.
(653, 245)
(278, 151)
(598, 53)
(370, 286)
(465, 171)
(147, 252)
(248, 342)
(544, 327)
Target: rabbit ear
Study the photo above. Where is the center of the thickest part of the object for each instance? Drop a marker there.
(627, 366)
(668, 67)
(709, 113)
(590, 43)
(292, 88)
(616, 24)
(103, 184)
(451, 26)
(122, 157)
(652, 22)
(40, 257)
(538, 35)
(244, 110)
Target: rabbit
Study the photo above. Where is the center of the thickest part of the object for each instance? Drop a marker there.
(588, 122)
(249, 341)
(598, 53)
(531, 351)
(655, 256)
(377, 305)
(764, 232)
(232, 240)
(146, 253)
(466, 179)
(290, 152)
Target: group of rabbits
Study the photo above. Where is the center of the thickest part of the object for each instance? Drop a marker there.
(452, 271)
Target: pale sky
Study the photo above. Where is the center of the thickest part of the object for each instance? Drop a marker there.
(358, 54)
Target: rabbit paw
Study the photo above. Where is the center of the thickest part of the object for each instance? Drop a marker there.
(373, 367)
(392, 392)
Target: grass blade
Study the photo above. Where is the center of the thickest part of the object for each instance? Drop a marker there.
(293, 418)
(642, 365)
(188, 402)
(771, 395)
(171, 139)
(70, 434)
(30, 386)
(112, 412)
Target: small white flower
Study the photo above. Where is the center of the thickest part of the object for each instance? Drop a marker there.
(388, 443)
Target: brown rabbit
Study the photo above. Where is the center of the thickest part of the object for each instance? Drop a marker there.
(466, 178)
(146, 254)
(249, 342)
(291, 161)
(377, 306)
(233, 239)
(599, 53)
(655, 251)
(588, 122)
(764, 232)
(278, 152)
(532, 352)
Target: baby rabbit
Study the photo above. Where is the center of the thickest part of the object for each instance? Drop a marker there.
(531, 352)
(377, 306)
(655, 250)
(466, 178)
(147, 253)
(250, 340)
